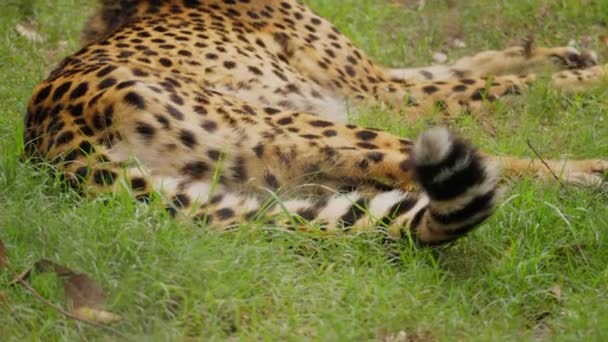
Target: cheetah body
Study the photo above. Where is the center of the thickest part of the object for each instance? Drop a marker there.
(212, 102)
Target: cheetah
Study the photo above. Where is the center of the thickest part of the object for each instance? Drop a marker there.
(225, 108)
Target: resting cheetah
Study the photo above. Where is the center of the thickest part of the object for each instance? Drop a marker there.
(217, 104)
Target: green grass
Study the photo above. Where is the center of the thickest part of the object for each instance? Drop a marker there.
(171, 280)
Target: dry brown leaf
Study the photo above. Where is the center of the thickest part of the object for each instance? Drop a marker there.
(556, 291)
(84, 291)
(85, 295)
(27, 31)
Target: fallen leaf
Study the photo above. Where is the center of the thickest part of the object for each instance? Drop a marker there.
(27, 31)
(556, 291)
(87, 298)
(83, 291)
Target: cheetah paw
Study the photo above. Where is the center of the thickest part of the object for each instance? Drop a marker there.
(571, 58)
(585, 173)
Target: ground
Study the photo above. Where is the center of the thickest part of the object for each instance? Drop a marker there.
(537, 269)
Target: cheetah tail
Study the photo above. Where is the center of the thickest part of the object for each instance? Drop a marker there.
(460, 184)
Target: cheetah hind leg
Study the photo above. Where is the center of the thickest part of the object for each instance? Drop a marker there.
(590, 173)
(474, 96)
(510, 61)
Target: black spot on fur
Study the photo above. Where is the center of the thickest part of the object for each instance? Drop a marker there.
(214, 155)
(271, 111)
(255, 70)
(102, 121)
(76, 110)
(430, 89)
(376, 157)
(321, 123)
(61, 90)
(163, 121)
(64, 138)
(367, 146)
(229, 65)
(196, 169)
(459, 88)
(209, 126)
(238, 169)
(307, 214)
(285, 121)
(86, 147)
(80, 90)
(330, 133)
(174, 112)
(271, 180)
(356, 211)
(106, 83)
(181, 201)
(478, 94)
(104, 177)
(225, 214)
(398, 209)
(166, 62)
(106, 71)
(259, 150)
(147, 131)
(187, 138)
(135, 99)
(366, 135)
(138, 184)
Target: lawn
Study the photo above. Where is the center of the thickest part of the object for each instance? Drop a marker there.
(536, 270)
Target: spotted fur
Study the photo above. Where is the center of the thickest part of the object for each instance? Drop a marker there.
(219, 105)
